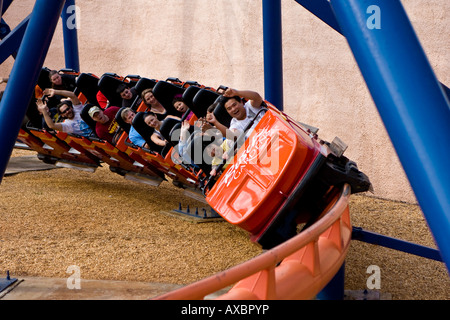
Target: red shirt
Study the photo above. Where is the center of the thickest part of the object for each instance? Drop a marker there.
(106, 130)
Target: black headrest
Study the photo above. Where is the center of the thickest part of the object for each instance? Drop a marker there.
(221, 113)
(87, 84)
(108, 85)
(166, 128)
(132, 80)
(125, 126)
(44, 80)
(189, 94)
(202, 100)
(144, 83)
(141, 127)
(164, 92)
(69, 71)
(145, 131)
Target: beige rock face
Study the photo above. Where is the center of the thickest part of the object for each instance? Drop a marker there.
(221, 42)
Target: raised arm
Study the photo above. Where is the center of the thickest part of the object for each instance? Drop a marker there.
(65, 93)
(227, 133)
(43, 109)
(254, 97)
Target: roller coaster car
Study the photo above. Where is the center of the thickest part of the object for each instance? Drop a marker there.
(283, 176)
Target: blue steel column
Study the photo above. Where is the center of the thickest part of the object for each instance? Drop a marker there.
(25, 73)
(70, 34)
(334, 290)
(410, 101)
(273, 56)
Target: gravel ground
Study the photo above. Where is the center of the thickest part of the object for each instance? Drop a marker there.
(114, 229)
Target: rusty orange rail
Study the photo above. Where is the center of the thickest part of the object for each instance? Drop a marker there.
(308, 262)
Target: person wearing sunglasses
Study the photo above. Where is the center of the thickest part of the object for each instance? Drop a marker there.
(69, 109)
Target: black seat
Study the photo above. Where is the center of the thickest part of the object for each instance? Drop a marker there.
(87, 84)
(132, 80)
(221, 113)
(69, 77)
(44, 79)
(141, 85)
(167, 127)
(188, 97)
(164, 92)
(145, 131)
(108, 85)
(45, 83)
(202, 100)
(144, 83)
(122, 124)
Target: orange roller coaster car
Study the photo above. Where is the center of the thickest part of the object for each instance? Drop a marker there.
(282, 176)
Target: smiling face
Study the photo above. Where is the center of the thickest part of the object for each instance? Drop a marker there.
(149, 98)
(66, 111)
(236, 109)
(151, 121)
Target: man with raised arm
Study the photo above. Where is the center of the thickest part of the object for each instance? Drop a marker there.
(70, 109)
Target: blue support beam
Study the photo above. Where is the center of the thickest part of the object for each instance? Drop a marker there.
(334, 290)
(273, 55)
(396, 244)
(25, 73)
(321, 9)
(9, 46)
(70, 34)
(4, 5)
(410, 100)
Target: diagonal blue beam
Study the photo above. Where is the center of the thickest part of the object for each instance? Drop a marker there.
(11, 43)
(321, 9)
(410, 100)
(400, 245)
(4, 4)
(25, 73)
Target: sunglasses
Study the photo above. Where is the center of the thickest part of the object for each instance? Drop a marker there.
(65, 111)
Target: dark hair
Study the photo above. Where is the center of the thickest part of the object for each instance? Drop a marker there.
(225, 99)
(66, 102)
(121, 88)
(178, 97)
(213, 107)
(51, 73)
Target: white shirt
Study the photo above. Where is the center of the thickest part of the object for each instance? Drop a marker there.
(76, 125)
(242, 124)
